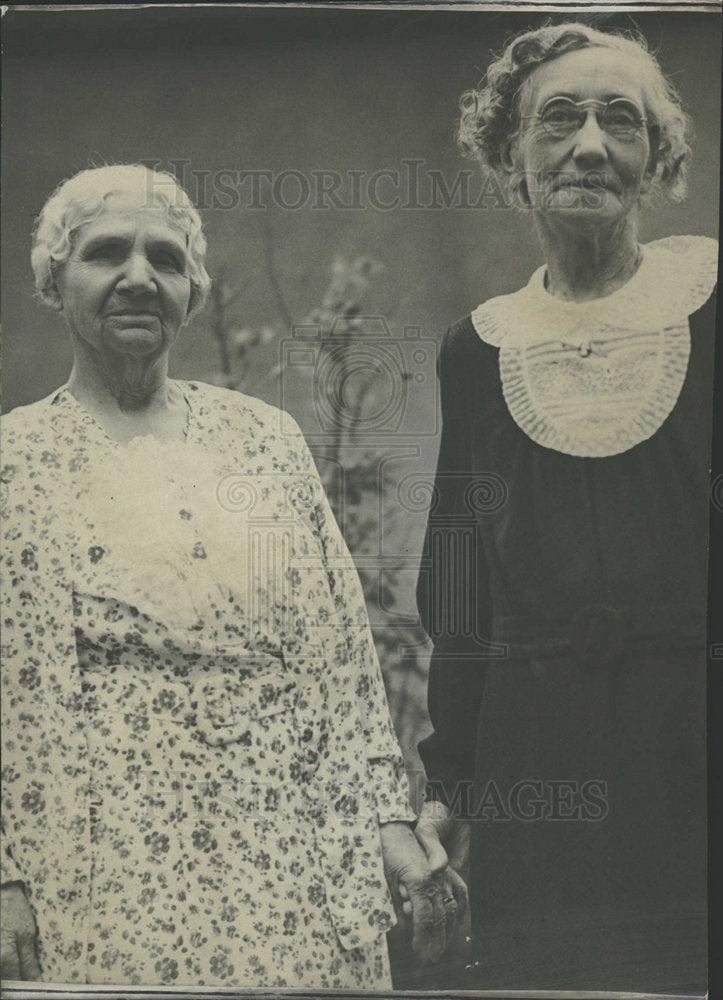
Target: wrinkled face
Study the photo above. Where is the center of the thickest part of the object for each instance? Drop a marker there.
(587, 164)
(126, 287)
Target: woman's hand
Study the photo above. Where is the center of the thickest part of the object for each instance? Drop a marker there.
(434, 898)
(18, 959)
(444, 838)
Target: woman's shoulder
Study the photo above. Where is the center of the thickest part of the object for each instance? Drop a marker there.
(682, 271)
(703, 325)
(30, 461)
(231, 401)
(258, 432)
(26, 423)
(240, 411)
(462, 341)
(464, 356)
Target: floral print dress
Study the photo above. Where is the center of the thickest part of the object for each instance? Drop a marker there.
(239, 751)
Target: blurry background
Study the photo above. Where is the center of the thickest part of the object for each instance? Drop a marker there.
(354, 216)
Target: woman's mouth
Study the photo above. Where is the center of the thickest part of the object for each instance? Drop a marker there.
(133, 317)
(594, 183)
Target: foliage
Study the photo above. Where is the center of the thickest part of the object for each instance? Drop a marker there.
(354, 477)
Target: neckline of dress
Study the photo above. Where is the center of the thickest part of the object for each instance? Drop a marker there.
(586, 403)
(138, 440)
(641, 274)
(675, 278)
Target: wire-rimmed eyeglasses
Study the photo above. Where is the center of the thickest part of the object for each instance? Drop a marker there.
(562, 117)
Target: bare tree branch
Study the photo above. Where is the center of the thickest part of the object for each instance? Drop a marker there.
(219, 325)
(269, 258)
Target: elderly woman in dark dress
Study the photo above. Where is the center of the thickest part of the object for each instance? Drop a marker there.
(564, 573)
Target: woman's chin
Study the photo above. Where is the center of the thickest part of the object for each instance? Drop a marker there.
(589, 206)
(136, 341)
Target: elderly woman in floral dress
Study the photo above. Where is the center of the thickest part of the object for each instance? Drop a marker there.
(564, 575)
(201, 781)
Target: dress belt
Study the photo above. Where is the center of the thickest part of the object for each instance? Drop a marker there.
(601, 633)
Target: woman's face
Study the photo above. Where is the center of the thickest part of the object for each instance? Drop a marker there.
(126, 287)
(594, 173)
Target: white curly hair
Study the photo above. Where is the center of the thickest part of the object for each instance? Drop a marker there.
(490, 112)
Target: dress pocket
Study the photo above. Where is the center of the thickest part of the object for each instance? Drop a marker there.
(233, 710)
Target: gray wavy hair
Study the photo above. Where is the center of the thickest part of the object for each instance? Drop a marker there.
(490, 113)
(83, 198)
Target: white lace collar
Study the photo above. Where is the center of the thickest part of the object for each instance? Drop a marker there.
(596, 378)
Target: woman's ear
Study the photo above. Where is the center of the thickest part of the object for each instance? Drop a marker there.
(53, 297)
(515, 174)
(652, 165)
(507, 156)
(192, 306)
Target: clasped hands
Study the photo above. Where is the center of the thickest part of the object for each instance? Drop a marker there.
(428, 890)
(429, 893)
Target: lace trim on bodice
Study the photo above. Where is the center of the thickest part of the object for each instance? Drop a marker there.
(594, 379)
(150, 532)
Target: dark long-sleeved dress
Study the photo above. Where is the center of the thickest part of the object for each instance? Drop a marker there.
(564, 585)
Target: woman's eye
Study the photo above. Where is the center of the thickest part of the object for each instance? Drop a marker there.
(559, 116)
(107, 252)
(622, 118)
(169, 262)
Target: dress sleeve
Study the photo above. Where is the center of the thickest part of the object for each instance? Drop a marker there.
(9, 871)
(453, 594)
(390, 788)
(11, 580)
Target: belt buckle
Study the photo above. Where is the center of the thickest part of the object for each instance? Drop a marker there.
(599, 634)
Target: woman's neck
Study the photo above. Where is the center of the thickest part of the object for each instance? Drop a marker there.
(588, 263)
(128, 396)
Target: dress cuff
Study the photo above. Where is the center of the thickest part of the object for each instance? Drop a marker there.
(9, 871)
(390, 791)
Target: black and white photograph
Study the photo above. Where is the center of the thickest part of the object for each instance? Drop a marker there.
(358, 479)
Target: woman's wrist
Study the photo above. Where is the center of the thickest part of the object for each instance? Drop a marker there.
(407, 824)
(434, 809)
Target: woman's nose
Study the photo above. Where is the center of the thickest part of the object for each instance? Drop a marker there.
(590, 140)
(138, 275)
